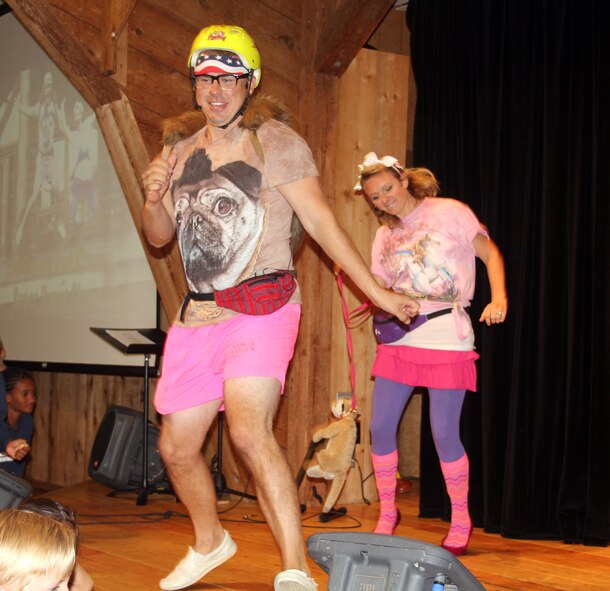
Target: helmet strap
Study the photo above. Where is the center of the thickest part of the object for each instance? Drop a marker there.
(238, 114)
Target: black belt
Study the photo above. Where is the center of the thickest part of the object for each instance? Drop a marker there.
(439, 313)
(198, 297)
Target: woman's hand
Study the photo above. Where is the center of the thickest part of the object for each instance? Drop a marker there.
(487, 250)
(495, 312)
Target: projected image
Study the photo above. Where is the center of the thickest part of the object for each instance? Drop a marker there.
(70, 257)
(83, 140)
(55, 189)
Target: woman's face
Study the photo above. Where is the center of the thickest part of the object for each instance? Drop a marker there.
(22, 398)
(388, 194)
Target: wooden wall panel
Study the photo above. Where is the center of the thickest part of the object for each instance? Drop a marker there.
(306, 393)
(373, 94)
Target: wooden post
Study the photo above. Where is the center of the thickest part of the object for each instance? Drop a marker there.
(373, 102)
(130, 159)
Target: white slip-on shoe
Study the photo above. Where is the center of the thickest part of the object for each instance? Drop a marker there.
(195, 565)
(294, 580)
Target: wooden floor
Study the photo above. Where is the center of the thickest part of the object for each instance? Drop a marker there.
(130, 547)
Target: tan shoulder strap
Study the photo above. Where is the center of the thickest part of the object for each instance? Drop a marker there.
(256, 144)
(296, 228)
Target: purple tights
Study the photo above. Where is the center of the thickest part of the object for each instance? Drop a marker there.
(389, 401)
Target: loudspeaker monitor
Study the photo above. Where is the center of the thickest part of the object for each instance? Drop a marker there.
(116, 455)
(359, 561)
(155, 472)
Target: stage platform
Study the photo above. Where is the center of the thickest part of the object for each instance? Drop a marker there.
(126, 547)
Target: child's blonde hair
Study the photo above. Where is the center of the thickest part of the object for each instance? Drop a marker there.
(33, 545)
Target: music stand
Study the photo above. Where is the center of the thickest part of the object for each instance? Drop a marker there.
(147, 342)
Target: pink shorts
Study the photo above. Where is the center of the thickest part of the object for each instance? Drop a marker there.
(431, 368)
(197, 361)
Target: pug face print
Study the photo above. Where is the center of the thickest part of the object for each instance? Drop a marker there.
(219, 220)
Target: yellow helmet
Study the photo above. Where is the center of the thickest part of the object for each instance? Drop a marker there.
(230, 38)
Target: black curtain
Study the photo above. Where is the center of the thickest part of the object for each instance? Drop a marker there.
(513, 111)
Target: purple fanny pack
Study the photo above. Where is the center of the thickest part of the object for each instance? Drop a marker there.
(388, 329)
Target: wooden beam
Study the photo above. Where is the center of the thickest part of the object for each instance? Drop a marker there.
(130, 159)
(115, 39)
(346, 32)
(83, 71)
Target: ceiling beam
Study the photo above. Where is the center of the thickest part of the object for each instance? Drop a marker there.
(114, 39)
(346, 32)
(130, 159)
(82, 69)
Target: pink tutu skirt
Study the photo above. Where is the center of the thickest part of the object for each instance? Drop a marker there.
(430, 368)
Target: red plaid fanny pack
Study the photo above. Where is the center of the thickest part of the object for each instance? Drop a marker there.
(262, 294)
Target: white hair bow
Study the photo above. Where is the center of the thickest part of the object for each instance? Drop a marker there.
(370, 160)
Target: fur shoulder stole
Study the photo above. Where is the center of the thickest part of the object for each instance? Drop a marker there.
(259, 110)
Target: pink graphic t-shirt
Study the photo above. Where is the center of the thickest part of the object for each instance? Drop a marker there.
(431, 258)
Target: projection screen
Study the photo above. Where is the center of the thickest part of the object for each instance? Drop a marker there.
(70, 257)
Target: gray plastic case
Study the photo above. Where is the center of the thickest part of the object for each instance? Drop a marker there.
(376, 562)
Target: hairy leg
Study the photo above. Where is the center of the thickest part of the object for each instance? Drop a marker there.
(182, 437)
(251, 404)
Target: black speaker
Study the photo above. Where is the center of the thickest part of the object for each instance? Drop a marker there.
(378, 562)
(13, 490)
(116, 455)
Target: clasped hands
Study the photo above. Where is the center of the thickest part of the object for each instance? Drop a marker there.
(400, 305)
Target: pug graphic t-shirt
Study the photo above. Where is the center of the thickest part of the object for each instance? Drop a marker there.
(231, 220)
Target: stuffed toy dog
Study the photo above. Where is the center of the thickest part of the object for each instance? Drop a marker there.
(335, 460)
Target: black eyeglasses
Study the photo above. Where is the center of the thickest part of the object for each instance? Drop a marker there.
(225, 81)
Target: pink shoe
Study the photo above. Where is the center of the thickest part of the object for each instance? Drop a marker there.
(457, 550)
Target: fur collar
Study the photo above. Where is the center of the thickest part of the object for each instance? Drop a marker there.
(259, 110)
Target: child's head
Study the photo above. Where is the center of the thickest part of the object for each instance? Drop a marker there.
(20, 390)
(51, 508)
(37, 552)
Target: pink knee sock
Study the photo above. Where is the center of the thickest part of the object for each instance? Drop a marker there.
(386, 468)
(456, 479)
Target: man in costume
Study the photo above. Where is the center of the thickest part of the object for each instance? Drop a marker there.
(234, 193)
